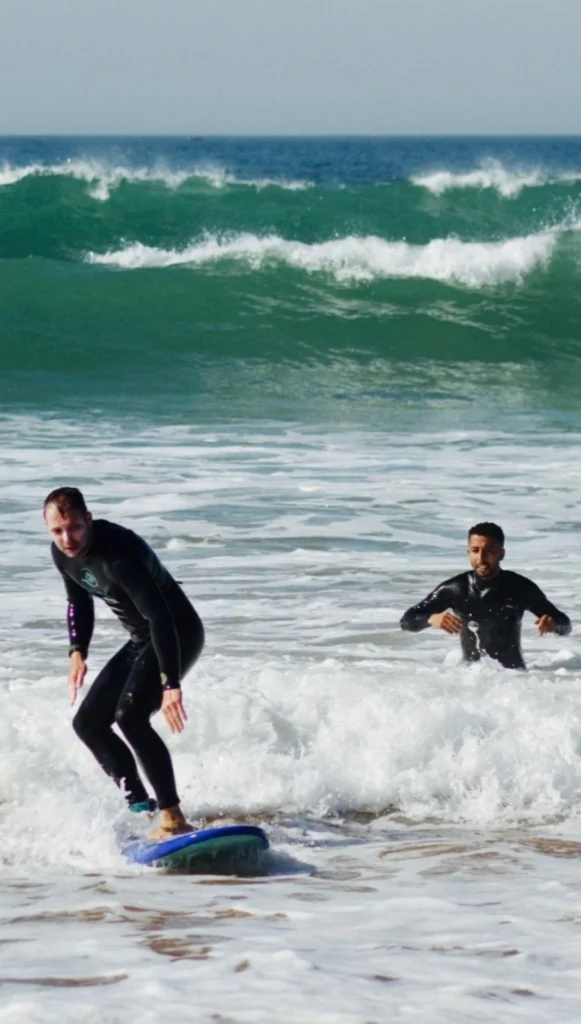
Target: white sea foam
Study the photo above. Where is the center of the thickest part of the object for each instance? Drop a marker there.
(491, 174)
(219, 177)
(277, 698)
(103, 178)
(301, 548)
(355, 258)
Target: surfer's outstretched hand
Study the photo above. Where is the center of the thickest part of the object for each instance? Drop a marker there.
(173, 709)
(77, 673)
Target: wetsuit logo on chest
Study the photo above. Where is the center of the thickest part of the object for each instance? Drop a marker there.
(89, 579)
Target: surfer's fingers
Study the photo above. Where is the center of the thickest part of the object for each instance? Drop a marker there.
(450, 624)
(173, 717)
(180, 714)
(454, 624)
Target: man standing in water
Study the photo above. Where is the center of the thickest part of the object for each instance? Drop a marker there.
(485, 606)
(100, 559)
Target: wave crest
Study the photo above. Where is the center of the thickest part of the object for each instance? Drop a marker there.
(354, 258)
(490, 175)
(104, 178)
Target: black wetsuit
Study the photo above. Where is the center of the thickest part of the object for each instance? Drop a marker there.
(491, 612)
(166, 636)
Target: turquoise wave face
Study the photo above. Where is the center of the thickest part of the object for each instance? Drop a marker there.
(54, 214)
(270, 344)
(321, 280)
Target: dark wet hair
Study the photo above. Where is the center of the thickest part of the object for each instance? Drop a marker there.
(66, 499)
(487, 530)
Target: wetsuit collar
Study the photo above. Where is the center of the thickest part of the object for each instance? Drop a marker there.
(90, 542)
(480, 584)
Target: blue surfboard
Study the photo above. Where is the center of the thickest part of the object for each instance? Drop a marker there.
(230, 849)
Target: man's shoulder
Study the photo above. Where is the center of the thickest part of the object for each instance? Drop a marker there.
(515, 579)
(113, 542)
(454, 585)
(456, 581)
(105, 530)
(125, 556)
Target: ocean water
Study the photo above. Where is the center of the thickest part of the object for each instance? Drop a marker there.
(301, 369)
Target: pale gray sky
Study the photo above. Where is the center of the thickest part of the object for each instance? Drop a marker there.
(290, 66)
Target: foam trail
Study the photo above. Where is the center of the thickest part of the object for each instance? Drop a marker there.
(356, 258)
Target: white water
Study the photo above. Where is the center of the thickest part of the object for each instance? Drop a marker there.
(308, 709)
(509, 182)
(104, 177)
(356, 258)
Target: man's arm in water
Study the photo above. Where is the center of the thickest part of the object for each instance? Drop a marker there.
(549, 618)
(433, 611)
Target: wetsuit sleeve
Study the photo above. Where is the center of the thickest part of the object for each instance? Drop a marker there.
(80, 616)
(440, 599)
(538, 603)
(141, 588)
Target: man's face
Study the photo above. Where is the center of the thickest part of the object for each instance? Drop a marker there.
(485, 556)
(70, 530)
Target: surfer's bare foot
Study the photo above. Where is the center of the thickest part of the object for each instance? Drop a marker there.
(172, 823)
